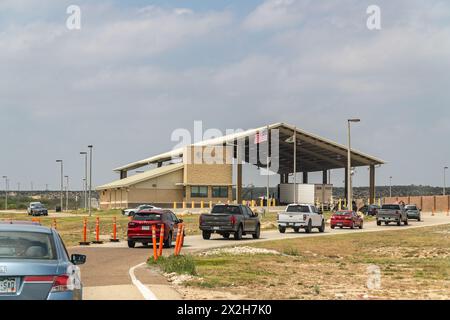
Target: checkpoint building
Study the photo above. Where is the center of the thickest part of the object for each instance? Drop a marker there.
(177, 177)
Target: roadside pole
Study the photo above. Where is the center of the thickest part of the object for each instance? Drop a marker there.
(90, 179)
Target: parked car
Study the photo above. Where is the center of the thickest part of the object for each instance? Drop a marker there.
(392, 213)
(35, 265)
(31, 205)
(301, 216)
(347, 219)
(369, 210)
(38, 210)
(131, 212)
(140, 228)
(225, 220)
(413, 212)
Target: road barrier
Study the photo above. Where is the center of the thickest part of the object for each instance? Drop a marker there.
(161, 239)
(180, 241)
(97, 232)
(84, 242)
(54, 224)
(114, 238)
(177, 239)
(155, 253)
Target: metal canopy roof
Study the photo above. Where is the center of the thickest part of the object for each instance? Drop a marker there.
(314, 153)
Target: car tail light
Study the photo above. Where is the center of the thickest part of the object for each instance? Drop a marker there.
(233, 220)
(131, 224)
(60, 284)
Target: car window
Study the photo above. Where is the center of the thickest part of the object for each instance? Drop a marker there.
(141, 216)
(173, 217)
(27, 245)
(250, 212)
(411, 208)
(297, 208)
(226, 209)
(390, 207)
(64, 247)
(246, 211)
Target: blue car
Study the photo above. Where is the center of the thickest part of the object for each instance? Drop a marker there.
(35, 265)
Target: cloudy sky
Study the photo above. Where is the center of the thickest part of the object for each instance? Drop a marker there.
(137, 70)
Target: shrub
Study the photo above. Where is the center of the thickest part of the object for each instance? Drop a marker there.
(181, 264)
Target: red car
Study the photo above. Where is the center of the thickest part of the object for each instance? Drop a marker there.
(140, 228)
(348, 219)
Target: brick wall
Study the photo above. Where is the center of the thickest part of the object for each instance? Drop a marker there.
(426, 203)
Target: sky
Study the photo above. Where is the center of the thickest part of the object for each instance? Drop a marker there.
(138, 70)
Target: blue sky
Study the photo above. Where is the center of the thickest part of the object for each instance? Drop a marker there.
(137, 70)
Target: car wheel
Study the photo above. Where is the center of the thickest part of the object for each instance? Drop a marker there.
(419, 219)
(297, 230)
(361, 225)
(353, 225)
(257, 233)
(226, 236)
(386, 223)
(206, 235)
(406, 222)
(332, 227)
(238, 233)
(378, 223)
(282, 229)
(309, 227)
(322, 227)
(399, 222)
(131, 244)
(168, 241)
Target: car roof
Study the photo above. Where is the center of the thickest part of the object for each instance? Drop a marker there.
(299, 204)
(24, 226)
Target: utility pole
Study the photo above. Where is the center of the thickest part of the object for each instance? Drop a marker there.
(445, 180)
(67, 192)
(62, 183)
(90, 179)
(268, 172)
(6, 192)
(390, 187)
(349, 166)
(85, 178)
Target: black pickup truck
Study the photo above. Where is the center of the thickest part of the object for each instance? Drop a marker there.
(227, 219)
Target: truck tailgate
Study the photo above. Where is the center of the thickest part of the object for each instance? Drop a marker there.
(216, 220)
(290, 217)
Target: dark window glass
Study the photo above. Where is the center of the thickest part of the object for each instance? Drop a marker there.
(199, 192)
(226, 209)
(27, 245)
(303, 209)
(220, 192)
(391, 207)
(140, 216)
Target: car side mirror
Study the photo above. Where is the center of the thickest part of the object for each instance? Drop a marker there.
(255, 214)
(180, 220)
(78, 259)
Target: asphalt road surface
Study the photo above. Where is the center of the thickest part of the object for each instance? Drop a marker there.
(107, 271)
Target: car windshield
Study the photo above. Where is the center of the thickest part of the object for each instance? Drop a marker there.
(298, 208)
(390, 207)
(226, 209)
(147, 216)
(411, 208)
(26, 245)
(145, 207)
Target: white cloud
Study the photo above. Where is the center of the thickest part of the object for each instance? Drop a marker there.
(273, 14)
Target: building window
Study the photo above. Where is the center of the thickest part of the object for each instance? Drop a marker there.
(220, 192)
(199, 192)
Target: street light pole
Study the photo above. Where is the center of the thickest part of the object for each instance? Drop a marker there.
(62, 183)
(6, 192)
(90, 178)
(349, 166)
(67, 192)
(85, 178)
(445, 180)
(390, 187)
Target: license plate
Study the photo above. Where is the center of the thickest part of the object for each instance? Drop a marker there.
(7, 285)
(145, 227)
(339, 224)
(216, 228)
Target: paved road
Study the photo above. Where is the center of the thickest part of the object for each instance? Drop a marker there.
(109, 264)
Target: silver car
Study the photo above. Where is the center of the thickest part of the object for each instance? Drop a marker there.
(35, 265)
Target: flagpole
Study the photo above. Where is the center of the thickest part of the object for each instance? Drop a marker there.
(295, 164)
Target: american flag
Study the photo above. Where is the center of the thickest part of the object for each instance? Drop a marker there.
(261, 137)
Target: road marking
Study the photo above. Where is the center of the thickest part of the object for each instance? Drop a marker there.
(144, 290)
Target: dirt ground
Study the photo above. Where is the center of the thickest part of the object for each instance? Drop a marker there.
(412, 264)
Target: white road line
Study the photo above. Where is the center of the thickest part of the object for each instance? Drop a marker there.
(144, 290)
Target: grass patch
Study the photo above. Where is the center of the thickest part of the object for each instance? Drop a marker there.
(181, 264)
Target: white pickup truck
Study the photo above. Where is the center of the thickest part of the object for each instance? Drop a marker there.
(301, 216)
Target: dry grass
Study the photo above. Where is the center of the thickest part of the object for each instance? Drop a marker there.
(414, 264)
